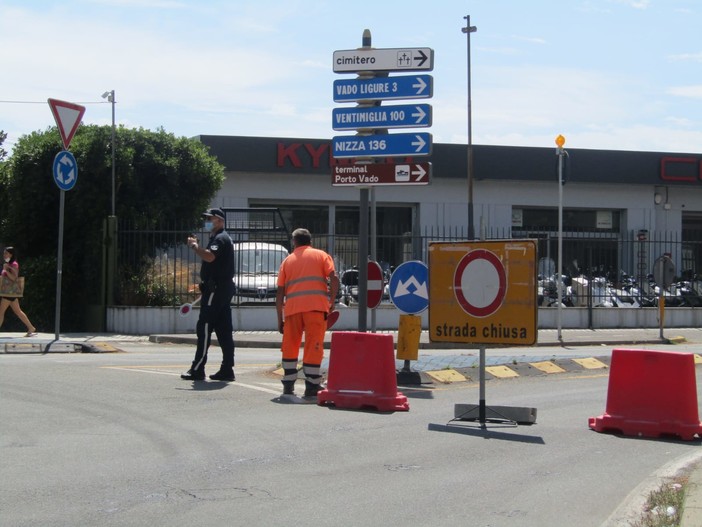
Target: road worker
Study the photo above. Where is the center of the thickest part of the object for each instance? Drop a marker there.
(307, 289)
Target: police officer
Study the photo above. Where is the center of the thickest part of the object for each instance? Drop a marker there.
(307, 288)
(217, 289)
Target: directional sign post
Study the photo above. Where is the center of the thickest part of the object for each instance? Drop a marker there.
(388, 59)
(373, 85)
(391, 145)
(398, 116)
(384, 88)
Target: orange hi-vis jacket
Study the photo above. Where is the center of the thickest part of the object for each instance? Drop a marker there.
(304, 275)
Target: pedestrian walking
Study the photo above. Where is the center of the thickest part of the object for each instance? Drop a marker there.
(307, 289)
(10, 271)
(217, 290)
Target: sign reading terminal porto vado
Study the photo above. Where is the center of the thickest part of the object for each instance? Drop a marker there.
(381, 174)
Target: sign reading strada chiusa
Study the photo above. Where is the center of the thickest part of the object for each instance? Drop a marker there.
(483, 292)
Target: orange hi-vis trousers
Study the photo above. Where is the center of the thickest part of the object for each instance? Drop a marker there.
(313, 325)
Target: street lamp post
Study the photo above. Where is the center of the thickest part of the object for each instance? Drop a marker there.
(560, 152)
(471, 229)
(110, 96)
(110, 263)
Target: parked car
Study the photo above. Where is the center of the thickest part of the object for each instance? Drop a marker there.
(256, 266)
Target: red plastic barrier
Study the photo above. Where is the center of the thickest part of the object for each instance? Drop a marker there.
(652, 394)
(362, 373)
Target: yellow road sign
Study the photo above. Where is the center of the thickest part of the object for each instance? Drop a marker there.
(483, 292)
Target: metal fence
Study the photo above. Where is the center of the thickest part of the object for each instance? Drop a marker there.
(599, 269)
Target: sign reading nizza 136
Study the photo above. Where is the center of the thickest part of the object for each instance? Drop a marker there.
(388, 59)
(387, 145)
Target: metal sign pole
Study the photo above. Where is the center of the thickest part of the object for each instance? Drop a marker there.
(59, 267)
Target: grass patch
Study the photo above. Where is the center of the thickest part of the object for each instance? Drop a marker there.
(664, 506)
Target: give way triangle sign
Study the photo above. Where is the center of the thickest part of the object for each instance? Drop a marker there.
(67, 116)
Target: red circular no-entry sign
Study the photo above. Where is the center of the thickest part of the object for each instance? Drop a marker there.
(375, 284)
(480, 283)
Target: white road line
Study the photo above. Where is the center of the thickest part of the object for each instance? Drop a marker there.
(243, 385)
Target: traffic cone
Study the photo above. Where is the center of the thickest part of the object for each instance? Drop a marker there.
(651, 394)
(362, 373)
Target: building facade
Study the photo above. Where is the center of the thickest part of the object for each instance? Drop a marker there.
(609, 196)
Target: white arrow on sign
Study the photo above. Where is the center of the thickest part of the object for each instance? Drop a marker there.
(420, 85)
(419, 143)
(419, 289)
(419, 114)
(67, 171)
(420, 172)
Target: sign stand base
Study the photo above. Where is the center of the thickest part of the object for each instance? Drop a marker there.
(494, 414)
(408, 377)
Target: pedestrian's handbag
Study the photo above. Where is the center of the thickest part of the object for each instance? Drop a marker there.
(11, 288)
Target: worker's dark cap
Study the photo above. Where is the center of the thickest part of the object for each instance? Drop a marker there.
(214, 212)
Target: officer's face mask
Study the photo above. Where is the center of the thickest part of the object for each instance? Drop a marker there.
(208, 225)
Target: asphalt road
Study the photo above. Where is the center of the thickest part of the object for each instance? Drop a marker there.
(117, 439)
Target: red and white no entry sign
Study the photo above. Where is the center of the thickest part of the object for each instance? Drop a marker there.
(375, 284)
(480, 283)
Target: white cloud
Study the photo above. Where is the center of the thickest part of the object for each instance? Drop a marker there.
(694, 92)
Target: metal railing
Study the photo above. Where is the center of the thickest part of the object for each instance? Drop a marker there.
(599, 268)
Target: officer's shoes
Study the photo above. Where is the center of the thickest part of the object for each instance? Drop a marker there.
(193, 375)
(223, 375)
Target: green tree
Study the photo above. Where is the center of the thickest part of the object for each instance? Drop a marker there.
(159, 179)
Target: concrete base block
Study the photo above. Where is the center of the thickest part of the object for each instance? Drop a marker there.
(471, 412)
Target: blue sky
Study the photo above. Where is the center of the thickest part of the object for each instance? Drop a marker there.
(607, 74)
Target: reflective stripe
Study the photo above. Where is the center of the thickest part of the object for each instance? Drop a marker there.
(304, 293)
(306, 279)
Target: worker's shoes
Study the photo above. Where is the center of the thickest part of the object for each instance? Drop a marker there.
(311, 391)
(193, 375)
(288, 387)
(226, 374)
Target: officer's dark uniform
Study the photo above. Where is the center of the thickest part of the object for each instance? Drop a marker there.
(217, 290)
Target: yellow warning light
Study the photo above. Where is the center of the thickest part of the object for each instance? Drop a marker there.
(560, 141)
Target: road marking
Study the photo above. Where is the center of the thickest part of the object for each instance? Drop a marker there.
(156, 372)
(446, 376)
(590, 363)
(547, 367)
